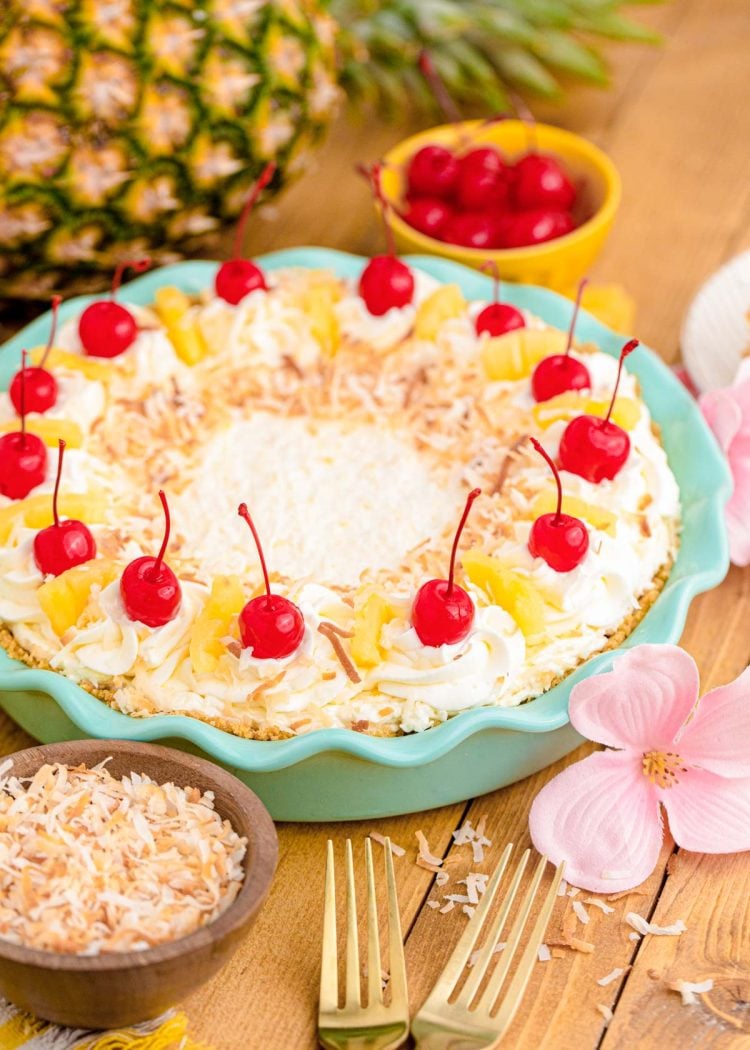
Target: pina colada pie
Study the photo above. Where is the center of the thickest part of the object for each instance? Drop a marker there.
(355, 423)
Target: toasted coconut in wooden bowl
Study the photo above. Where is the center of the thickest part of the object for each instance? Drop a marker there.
(146, 867)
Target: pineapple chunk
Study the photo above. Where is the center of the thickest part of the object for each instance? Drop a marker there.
(64, 597)
(36, 511)
(90, 367)
(213, 623)
(318, 304)
(49, 430)
(515, 355)
(173, 306)
(546, 503)
(512, 591)
(626, 412)
(368, 623)
(442, 305)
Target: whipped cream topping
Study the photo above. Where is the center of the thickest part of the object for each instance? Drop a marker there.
(362, 493)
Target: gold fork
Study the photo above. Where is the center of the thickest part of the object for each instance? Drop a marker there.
(377, 1026)
(466, 1024)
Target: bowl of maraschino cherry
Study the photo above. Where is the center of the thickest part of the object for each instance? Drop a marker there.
(537, 200)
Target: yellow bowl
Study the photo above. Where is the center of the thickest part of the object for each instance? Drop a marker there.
(557, 264)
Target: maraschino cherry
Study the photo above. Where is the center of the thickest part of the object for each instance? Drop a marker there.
(560, 539)
(65, 543)
(540, 182)
(106, 328)
(386, 282)
(536, 226)
(271, 625)
(23, 456)
(560, 372)
(433, 171)
(150, 591)
(597, 449)
(443, 612)
(497, 318)
(482, 180)
(428, 215)
(41, 385)
(237, 277)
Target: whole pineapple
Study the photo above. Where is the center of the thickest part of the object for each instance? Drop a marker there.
(137, 126)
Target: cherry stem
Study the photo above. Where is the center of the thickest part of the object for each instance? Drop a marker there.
(60, 451)
(574, 316)
(23, 397)
(239, 236)
(245, 513)
(167, 528)
(524, 114)
(491, 268)
(469, 500)
(542, 452)
(138, 265)
(439, 91)
(56, 300)
(629, 347)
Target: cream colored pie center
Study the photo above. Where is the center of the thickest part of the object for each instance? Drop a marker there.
(329, 500)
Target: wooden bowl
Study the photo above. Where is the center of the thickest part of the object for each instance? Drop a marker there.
(117, 989)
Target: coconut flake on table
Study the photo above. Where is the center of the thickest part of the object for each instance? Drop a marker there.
(611, 976)
(690, 990)
(641, 925)
(93, 864)
(397, 851)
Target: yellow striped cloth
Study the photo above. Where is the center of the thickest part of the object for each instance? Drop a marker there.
(19, 1029)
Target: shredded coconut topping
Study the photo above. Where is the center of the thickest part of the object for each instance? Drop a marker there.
(91, 864)
(640, 925)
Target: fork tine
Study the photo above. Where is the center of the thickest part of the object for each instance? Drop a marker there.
(517, 987)
(497, 980)
(479, 969)
(374, 982)
(329, 978)
(454, 967)
(352, 941)
(396, 963)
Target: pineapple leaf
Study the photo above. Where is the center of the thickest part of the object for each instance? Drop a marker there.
(563, 52)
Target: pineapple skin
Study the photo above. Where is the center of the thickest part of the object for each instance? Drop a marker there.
(132, 127)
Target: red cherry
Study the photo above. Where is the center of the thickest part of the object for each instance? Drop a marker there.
(560, 539)
(482, 180)
(66, 543)
(443, 612)
(23, 456)
(535, 227)
(497, 318)
(271, 625)
(472, 229)
(105, 328)
(432, 171)
(597, 449)
(428, 215)
(560, 372)
(539, 182)
(386, 282)
(41, 385)
(237, 277)
(150, 591)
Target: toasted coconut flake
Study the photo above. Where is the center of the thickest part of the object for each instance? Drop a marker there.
(606, 1012)
(689, 990)
(562, 889)
(424, 850)
(543, 953)
(581, 914)
(397, 851)
(95, 865)
(626, 893)
(612, 976)
(421, 863)
(433, 904)
(449, 906)
(641, 925)
(441, 878)
(598, 903)
(331, 632)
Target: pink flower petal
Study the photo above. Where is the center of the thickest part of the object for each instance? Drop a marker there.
(601, 816)
(708, 813)
(723, 415)
(641, 703)
(717, 737)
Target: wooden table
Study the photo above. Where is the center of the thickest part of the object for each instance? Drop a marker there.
(678, 126)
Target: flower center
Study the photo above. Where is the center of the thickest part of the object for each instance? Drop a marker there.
(662, 767)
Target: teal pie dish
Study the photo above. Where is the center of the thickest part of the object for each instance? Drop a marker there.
(338, 774)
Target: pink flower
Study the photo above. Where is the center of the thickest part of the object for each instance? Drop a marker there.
(727, 412)
(603, 815)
